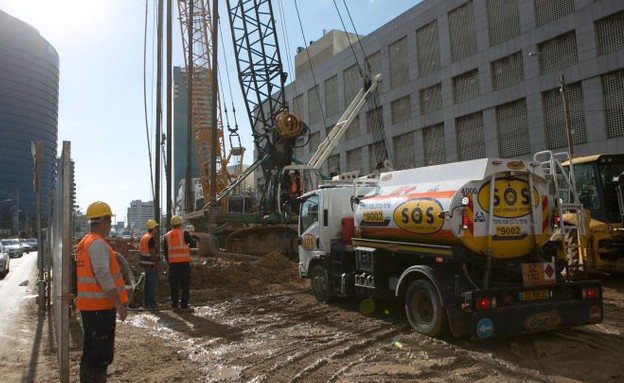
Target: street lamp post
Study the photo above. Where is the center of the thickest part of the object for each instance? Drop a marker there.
(566, 108)
(566, 113)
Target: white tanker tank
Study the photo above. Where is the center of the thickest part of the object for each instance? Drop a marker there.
(450, 204)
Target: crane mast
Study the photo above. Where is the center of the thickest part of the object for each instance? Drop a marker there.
(199, 20)
(262, 80)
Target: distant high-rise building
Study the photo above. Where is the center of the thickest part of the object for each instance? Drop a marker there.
(29, 96)
(180, 130)
(138, 214)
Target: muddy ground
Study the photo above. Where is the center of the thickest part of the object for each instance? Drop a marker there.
(257, 322)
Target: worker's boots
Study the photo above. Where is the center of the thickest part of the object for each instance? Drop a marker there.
(92, 375)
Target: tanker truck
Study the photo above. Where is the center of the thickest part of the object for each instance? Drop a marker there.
(465, 246)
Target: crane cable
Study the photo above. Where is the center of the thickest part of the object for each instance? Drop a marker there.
(381, 156)
(149, 145)
(233, 131)
(318, 96)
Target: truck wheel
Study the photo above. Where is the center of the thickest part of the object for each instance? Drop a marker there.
(423, 309)
(319, 280)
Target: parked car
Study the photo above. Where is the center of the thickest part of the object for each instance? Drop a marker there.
(32, 242)
(12, 247)
(5, 260)
(26, 248)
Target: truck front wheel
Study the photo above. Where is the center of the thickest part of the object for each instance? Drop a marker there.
(319, 279)
(424, 310)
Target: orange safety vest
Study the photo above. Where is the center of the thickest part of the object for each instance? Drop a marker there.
(295, 185)
(145, 258)
(177, 249)
(91, 297)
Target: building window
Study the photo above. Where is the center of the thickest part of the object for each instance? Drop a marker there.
(351, 83)
(399, 65)
(431, 99)
(554, 118)
(404, 154)
(314, 142)
(428, 48)
(503, 20)
(376, 156)
(298, 106)
(331, 96)
(558, 53)
(466, 86)
(374, 120)
(470, 137)
(610, 33)
(353, 130)
(354, 160)
(434, 146)
(507, 71)
(462, 30)
(513, 129)
(314, 106)
(400, 110)
(613, 98)
(374, 63)
(550, 10)
(333, 165)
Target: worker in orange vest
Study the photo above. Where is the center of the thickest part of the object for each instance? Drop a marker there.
(177, 251)
(101, 294)
(148, 259)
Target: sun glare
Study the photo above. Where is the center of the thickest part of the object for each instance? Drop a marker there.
(60, 18)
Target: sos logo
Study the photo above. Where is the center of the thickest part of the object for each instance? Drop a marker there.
(420, 216)
(511, 198)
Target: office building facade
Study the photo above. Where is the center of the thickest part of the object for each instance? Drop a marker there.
(471, 79)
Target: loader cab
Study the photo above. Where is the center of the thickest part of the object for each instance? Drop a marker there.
(600, 185)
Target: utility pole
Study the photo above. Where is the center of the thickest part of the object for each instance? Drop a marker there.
(169, 158)
(566, 112)
(158, 112)
(189, 203)
(214, 122)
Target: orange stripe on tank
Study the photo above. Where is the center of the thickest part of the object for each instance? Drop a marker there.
(470, 212)
(397, 233)
(441, 194)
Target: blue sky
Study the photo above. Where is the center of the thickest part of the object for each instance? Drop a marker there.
(101, 107)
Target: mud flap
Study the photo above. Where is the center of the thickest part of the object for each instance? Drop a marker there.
(459, 322)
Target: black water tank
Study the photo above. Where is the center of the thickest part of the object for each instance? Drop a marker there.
(29, 96)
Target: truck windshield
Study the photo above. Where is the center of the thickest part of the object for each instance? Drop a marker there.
(308, 213)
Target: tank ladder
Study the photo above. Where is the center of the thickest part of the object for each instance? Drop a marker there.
(569, 207)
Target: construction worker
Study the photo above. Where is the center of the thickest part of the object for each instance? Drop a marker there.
(178, 254)
(149, 262)
(101, 294)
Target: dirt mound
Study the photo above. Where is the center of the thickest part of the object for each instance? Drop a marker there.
(225, 278)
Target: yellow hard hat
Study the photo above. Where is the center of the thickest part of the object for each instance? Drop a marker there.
(99, 209)
(151, 224)
(176, 220)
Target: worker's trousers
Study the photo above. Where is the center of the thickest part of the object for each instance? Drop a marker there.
(98, 344)
(179, 279)
(149, 288)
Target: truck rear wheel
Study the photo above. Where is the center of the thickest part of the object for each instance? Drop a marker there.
(424, 310)
(319, 280)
